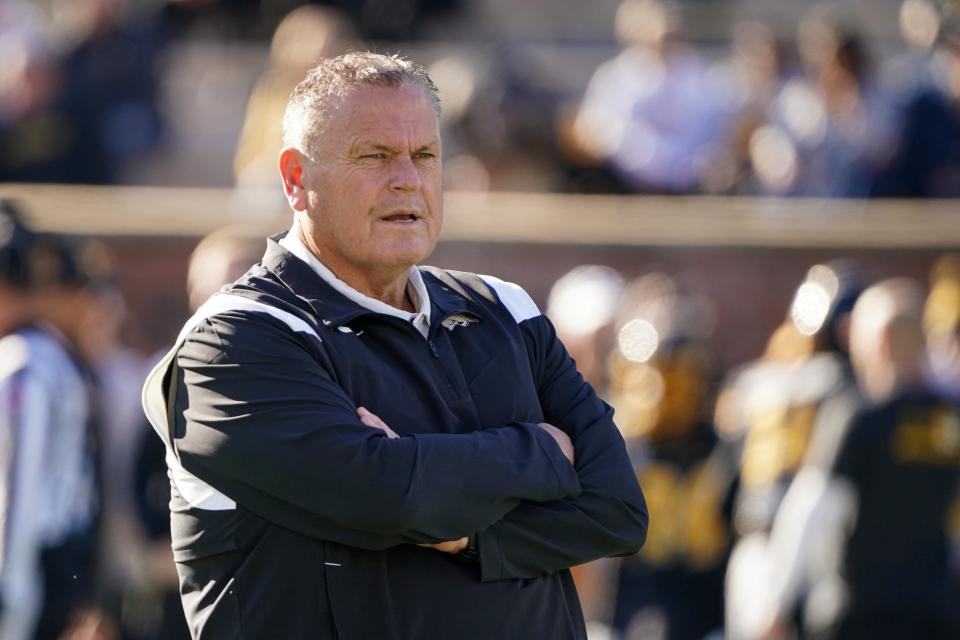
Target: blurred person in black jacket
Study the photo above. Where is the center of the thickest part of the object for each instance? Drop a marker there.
(927, 163)
(865, 540)
(111, 86)
(77, 104)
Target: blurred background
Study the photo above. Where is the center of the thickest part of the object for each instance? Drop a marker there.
(695, 191)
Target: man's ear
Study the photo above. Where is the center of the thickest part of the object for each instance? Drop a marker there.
(291, 172)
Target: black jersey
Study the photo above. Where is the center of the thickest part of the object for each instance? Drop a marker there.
(903, 459)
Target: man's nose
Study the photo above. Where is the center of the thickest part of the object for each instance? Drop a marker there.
(406, 175)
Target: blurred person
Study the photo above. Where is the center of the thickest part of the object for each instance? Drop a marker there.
(66, 278)
(941, 325)
(341, 420)
(832, 131)
(37, 133)
(219, 258)
(909, 69)
(50, 500)
(751, 79)
(471, 125)
(111, 85)
(90, 309)
(650, 115)
(79, 91)
(582, 306)
(663, 382)
(865, 539)
(783, 411)
(494, 132)
(497, 123)
(117, 372)
(927, 162)
(302, 38)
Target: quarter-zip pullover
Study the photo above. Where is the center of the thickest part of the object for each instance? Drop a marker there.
(292, 519)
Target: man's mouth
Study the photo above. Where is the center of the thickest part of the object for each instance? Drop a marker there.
(401, 217)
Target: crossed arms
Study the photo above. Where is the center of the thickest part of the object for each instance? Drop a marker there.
(254, 398)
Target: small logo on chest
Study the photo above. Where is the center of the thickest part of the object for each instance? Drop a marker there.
(458, 320)
(346, 329)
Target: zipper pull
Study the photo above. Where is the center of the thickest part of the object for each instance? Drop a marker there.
(433, 349)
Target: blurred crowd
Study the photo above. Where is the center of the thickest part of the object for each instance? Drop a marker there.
(811, 493)
(818, 115)
(824, 111)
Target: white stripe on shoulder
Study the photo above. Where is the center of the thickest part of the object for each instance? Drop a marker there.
(223, 302)
(514, 298)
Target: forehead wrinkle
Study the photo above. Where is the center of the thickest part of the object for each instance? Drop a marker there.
(394, 142)
(387, 126)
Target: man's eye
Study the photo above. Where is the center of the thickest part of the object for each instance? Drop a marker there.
(425, 155)
(373, 156)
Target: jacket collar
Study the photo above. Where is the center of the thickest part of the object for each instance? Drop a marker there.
(334, 308)
(415, 287)
(447, 302)
(329, 305)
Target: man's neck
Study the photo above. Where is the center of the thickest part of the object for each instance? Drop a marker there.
(387, 287)
(892, 381)
(390, 289)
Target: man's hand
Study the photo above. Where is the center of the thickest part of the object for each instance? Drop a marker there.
(371, 420)
(561, 438)
(453, 546)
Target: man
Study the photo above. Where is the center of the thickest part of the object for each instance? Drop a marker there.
(866, 541)
(361, 448)
(48, 490)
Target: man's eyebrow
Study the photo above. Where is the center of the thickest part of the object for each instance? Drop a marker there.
(370, 146)
(374, 146)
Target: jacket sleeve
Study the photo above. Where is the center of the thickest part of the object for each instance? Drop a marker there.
(262, 421)
(608, 518)
(25, 431)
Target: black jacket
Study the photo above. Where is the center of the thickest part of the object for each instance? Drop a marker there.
(291, 519)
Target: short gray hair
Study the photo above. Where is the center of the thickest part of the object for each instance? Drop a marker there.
(308, 107)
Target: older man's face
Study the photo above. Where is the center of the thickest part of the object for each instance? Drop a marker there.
(374, 194)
